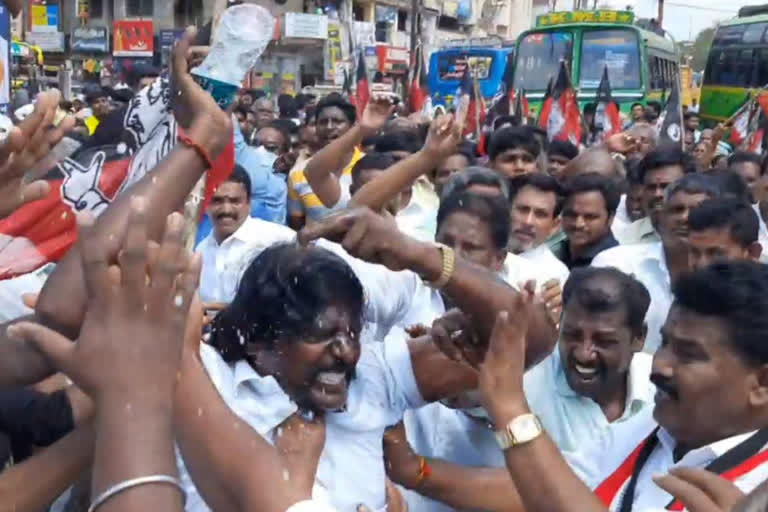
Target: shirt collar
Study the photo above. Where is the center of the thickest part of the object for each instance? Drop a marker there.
(240, 235)
(705, 454)
(586, 257)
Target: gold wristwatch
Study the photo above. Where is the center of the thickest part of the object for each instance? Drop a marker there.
(522, 429)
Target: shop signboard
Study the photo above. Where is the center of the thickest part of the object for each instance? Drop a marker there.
(43, 16)
(47, 41)
(5, 58)
(305, 26)
(90, 39)
(133, 38)
(166, 39)
(392, 59)
(333, 51)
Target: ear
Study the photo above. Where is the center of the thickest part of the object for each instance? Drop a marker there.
(758, 393)
(638, 342)
(755, 250)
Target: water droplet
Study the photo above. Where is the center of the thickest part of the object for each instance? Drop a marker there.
(146, 308)
(199, 411)
(279, 432)
(128, 407)
(178, 301)
(286, 475)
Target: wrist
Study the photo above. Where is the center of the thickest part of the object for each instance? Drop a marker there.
(210, 136)
(506, 408)
(366, 131)
(425, 259)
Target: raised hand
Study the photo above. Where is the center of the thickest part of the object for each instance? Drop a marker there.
(552, 295)
(27, 144)
(622, 143)
(195, 109)
(443, 138)
(501, 374)
(455, 337)
(131, 339)
(376, 114)
(700, 490)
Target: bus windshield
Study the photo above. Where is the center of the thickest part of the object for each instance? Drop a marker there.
(617, 49)
(539, 57)
(451, 66)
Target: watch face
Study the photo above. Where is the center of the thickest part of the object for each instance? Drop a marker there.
(525, 428)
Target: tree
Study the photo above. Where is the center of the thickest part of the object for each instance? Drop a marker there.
(701, 48)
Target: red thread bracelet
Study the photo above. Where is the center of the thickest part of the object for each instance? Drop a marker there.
(187, 141)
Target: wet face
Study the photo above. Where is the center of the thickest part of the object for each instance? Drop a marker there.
(272, 140)
(317, 369)
(447, 168)
(585, 219)
(331, 124)
(596, 348)
(637, 113)
(556, 164)
(656, 182)
(634, 203)
(703, 386)
(471, 239)
(674, 219)
(228, 209)
(100, 107)
(750, 171)
(717, 244)
(514, 162)
(265, 112)
(533, 219)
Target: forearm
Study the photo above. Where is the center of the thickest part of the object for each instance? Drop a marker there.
(209, 433)
(61, 305)
(323, 169)
(135, 439)
(436, 375)
(481, 295)
(35, 483)
(385, 187)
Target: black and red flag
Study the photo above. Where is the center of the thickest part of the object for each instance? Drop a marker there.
(740, 122)
(472, 102)
(522, 110)
(606, 121)
(418, 92)
(88, 181)
(362, 91)
(559, 115)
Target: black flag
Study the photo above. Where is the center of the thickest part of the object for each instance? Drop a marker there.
(671, 121)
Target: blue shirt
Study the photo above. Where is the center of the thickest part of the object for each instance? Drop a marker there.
(269, 190)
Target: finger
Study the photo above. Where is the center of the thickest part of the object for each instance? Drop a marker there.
(354, 237)
(34, 191)
(363, 508)
(499, 343)
(13, 143)
(57, 349)
(133, 256)
(179, 64)
(722, 491)
(689, 495)
(188, 284)
(30, 299)
(442, 339)
(93, 259)
(169, 259)
(330, 227)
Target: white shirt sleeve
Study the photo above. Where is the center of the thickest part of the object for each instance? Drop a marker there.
(310, 506)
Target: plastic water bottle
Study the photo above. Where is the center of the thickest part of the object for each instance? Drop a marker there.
(244, 32)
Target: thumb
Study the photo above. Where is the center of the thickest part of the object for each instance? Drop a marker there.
(57, 349)
(35, 191)
(30, 299)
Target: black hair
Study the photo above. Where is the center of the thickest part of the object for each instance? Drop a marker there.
(280, 294)
(591, 288)
(286, 125)
(664, 156)
(563, 148)
(513, 138)
(502, 120)
(242, 110)
(740, 157)
(655, 105)
(287, 106)
(467, 150)
(636, 104)
(541, 182)
(398, 140)
(731, 183)
(632, 168)
(470, 176)
(590, 108)
(594, 182)
(726, 212)
(337, 101)
(274, 125)
(689, 115)
(380, 161)
(240, 175)
(737, 293)
(696, 183)
(492, 210)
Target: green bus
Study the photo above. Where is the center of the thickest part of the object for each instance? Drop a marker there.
(737, 64)
(641, 64)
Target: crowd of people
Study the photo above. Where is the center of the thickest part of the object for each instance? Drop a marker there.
(376, 316)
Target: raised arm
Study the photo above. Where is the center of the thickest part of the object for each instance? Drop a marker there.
(442, 140)
(61, 304)
(477, 291)
(325, 167)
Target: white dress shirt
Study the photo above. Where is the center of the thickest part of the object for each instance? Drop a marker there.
(548, 267)
(762, 233)
(311, 506)
(639, 232)
(598, 461)
(11, 291)
(649, 266)
(351, 468)
(572, 420)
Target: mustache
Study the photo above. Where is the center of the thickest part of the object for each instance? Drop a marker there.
(664, 384)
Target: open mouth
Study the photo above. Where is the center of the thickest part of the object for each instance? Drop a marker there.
(584, 373)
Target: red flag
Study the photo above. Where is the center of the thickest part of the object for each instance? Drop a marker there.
(522, 110)
(741, 121)
(559, 114)
(362, 93)
(417, 93)
(476, 107)
(606, 121)
(43, 231)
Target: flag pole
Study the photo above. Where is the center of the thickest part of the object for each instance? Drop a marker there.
(192, 212)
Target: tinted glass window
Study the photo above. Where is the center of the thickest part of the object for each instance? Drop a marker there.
(754, 32)
(616, 49)
(539, 57)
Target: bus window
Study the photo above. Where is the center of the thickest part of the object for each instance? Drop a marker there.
(761, 58)
(730, 67)
(729, 35)
(539, 57)
(655, 72)
(616, 49)
(451, 66)
(754, 33)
